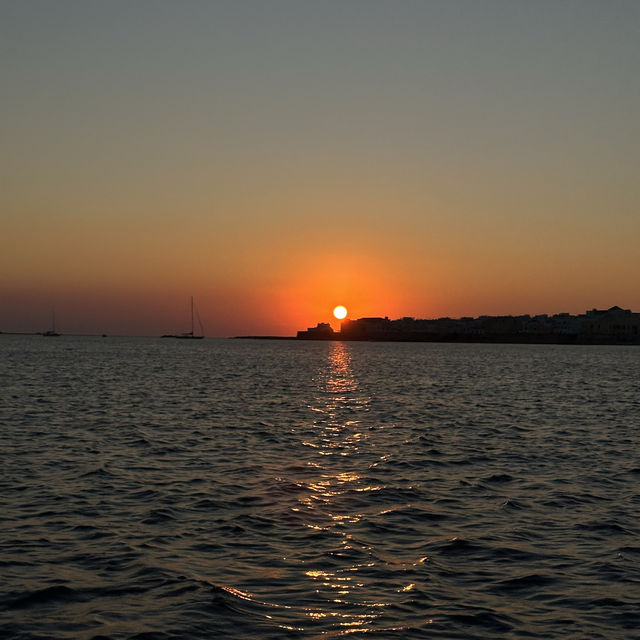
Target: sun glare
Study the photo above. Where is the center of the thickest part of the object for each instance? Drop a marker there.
(340, 312)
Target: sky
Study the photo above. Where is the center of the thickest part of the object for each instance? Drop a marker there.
(275, 159)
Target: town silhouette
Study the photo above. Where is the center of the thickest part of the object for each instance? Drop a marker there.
(596, 326)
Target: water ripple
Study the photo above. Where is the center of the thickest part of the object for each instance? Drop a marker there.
(238, 489)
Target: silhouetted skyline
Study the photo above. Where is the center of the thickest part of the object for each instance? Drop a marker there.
(595, 326)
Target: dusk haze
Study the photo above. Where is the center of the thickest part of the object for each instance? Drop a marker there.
(320, 319)
(276, 159)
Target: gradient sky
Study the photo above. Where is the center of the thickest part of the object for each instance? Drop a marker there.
(274, 159)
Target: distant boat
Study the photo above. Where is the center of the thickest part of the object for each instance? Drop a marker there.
(52, 332)
(189, 335)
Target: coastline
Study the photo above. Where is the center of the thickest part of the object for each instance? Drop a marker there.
(498, 339)
(595, 326)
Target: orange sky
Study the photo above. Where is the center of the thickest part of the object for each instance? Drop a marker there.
(276, 160)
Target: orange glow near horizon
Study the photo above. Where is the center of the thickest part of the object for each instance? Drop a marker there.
(310, 282)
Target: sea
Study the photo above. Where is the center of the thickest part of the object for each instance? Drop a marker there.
(158, 489)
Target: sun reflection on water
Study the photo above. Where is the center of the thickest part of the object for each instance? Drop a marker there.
(331, 503)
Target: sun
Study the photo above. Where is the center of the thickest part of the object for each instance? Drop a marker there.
(340, 312)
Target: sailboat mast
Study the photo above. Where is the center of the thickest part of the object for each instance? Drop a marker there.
(53, 321)
(191, 315)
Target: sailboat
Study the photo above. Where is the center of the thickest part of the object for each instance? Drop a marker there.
(189, 335)
(52, 332)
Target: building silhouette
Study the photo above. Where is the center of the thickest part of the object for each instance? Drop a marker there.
(596, 326)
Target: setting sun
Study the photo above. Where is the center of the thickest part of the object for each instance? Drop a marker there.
(340, 312)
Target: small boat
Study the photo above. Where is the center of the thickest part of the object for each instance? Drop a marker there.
(189, 335)
(52, 332)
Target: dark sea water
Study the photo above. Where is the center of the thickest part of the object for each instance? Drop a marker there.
(157, 489)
